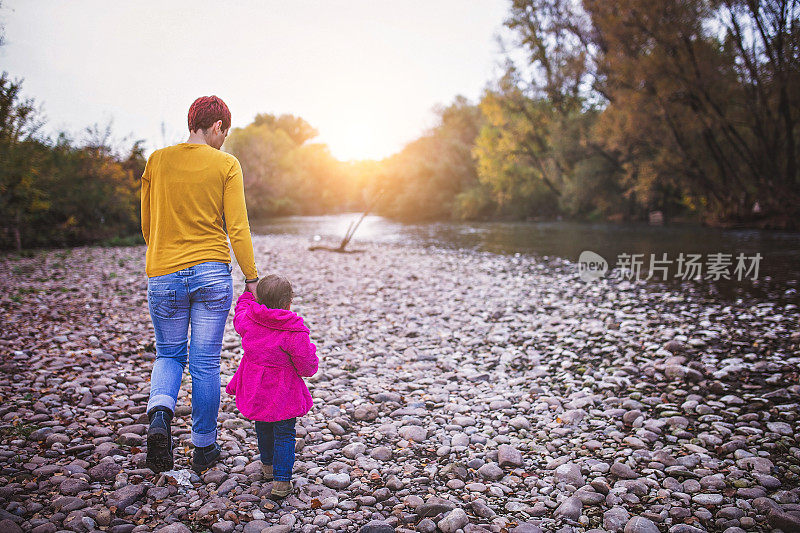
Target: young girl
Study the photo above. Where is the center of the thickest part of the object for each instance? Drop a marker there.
(268, 385)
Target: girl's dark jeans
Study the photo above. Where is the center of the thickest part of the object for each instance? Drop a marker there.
(276, 445)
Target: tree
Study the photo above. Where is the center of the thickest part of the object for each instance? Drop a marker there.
(284, 173)
(22, 158)
(298, 130)
(674, 105)
(424, 179)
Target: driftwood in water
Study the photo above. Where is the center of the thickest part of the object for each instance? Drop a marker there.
(351, 229)
(334, 249)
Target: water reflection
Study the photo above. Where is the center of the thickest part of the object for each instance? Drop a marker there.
(779, 268)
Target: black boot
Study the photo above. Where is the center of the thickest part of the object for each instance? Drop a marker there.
(159, 440)
(205, 457)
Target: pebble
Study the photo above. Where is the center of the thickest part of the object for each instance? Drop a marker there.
(640, 524)
(570, 474)
(448, 378)
(453, 521)
(615, 519)
(336, 481)
(570, 508)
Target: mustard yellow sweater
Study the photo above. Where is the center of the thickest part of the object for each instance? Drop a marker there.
(192, 193)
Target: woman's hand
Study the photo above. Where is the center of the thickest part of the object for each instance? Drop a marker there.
(251, 286)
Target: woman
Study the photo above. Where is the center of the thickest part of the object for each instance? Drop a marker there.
(191, 193)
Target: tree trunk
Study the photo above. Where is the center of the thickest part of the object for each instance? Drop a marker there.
(17, 235)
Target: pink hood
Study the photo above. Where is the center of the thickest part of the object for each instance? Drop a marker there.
(279, 319)
(268, 384)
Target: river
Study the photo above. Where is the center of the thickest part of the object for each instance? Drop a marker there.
(776, 254)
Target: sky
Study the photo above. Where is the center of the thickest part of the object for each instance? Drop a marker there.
(366, 74)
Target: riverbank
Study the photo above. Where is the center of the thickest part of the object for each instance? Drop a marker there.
(462, 389)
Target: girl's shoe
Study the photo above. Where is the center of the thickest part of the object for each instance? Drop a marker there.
(281, 489)
(266, 470)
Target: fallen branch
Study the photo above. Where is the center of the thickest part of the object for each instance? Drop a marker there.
(351, 229)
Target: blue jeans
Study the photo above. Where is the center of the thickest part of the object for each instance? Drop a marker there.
(199, 296)
(276, 445)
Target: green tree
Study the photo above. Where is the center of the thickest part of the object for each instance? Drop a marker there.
(22, 160)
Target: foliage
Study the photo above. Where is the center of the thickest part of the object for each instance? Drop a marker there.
(59, 193)
(285, 174)
(629, 106)
(609, 110)
(425, 179)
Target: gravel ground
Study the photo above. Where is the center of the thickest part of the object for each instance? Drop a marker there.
(457, 391)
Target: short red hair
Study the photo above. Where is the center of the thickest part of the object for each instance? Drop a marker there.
(206, 110)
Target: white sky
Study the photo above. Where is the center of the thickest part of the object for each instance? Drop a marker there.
(365, 73)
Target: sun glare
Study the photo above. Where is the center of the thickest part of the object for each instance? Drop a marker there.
(355, 141)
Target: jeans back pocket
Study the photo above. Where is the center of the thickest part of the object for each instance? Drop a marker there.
(163, 303)
(217, 297)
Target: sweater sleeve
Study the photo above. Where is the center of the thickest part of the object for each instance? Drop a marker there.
(235, 211)
(303, 353)
(240, 311)
(146, 204)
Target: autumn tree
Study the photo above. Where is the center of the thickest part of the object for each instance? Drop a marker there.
(672, 105)
(424, 181)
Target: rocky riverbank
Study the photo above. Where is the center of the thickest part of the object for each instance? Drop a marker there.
(458, 391)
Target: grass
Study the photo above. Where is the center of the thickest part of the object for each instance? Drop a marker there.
(20, 430)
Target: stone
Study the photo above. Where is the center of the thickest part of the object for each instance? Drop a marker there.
(175, 527)
(223, 526)
(336, 481)
(508, 456)
(354, 449)
(480, 508)
(105, 471)
(434, 506)
(426, 525)
(621, 470)
(570, 473)
(491, 471)
(519, 422)
(376, 526)
(615, 519)
(707, 499)
(526, 527)
(413, 433)
(453, 521)
(66, 504)
(786, 521)
(367, 412)
(570, 508)
(640, 524)
(255, 526)
(125, 496)
(9, 526)
(72, 486)
(280, 528)
(381, 453)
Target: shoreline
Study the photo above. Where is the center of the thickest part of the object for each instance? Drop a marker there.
(500, 384)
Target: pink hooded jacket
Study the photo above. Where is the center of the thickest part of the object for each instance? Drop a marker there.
(277, 351)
